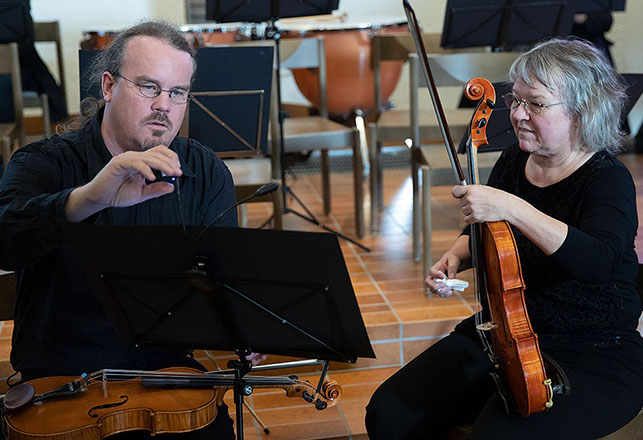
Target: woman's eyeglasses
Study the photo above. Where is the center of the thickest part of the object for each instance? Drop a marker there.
(535, 108)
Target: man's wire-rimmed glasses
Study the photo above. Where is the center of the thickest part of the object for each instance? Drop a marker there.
(152, 90)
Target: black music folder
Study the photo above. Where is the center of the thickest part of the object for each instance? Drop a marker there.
(277, 292)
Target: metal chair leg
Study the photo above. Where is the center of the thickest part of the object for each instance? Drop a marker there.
(358, 175)
(325, 175)
(427, 229)
(417, 213)
(374, 184)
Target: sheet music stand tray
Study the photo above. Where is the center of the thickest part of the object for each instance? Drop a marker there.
(505, 23)
(235, 289)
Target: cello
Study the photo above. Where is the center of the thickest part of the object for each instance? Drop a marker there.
(513, 349)
(108, 402)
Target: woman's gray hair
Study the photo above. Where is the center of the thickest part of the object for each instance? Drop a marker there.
(111, 60)
(592, 92)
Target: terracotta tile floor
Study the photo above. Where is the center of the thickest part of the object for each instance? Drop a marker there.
(400, 320)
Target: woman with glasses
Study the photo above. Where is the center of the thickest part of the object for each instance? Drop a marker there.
(572, 208)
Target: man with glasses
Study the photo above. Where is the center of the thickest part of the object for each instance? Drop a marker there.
(108, 171)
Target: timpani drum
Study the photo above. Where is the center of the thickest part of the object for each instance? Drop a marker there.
(349, 83)
(95, 39)
(200, 35)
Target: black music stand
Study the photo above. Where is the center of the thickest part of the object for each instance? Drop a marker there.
(505, 24)
(230, 106)
(227, 11)
(233, 289)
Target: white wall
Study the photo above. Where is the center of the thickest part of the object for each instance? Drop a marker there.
(627, 36)
(76, 16)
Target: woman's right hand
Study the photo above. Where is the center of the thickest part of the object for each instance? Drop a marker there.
(446, 267)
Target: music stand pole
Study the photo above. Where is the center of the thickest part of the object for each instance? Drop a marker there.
(240, 387)
(273, 32)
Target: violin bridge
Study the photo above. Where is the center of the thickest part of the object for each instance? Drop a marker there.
(487, 326)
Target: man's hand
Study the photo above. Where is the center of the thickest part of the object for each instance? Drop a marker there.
(256, 358)
(122, 182)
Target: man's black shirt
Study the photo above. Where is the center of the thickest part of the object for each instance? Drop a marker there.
(60, 327)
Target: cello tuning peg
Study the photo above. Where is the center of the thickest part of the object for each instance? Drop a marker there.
(490, 103)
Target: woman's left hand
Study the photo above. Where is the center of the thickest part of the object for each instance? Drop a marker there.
(481, 203)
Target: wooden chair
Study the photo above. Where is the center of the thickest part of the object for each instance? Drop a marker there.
(46, 32)
(449, 69)
(12, 133)
(319, 132)
(394, 126)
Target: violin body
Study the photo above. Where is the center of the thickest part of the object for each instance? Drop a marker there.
(91, 416)
(514, 343)
(175, 400)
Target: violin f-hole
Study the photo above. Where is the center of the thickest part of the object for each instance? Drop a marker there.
(107, 405)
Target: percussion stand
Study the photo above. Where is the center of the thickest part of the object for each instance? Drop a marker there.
(272, 32)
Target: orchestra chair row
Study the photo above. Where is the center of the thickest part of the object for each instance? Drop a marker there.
(12, 130)
(46, 32)
(395, 126)
(319, 132)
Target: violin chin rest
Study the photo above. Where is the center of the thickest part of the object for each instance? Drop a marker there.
(19, 396)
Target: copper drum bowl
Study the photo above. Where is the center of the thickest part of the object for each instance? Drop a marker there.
(349, 78)
(219, 33)
(93, 40)
(197, 35)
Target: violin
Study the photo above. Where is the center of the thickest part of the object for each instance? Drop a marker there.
(514, 345)
(514, 348)
(113, 401)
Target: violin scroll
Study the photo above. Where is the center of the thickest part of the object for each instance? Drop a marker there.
(480, 89)
(328, 396)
